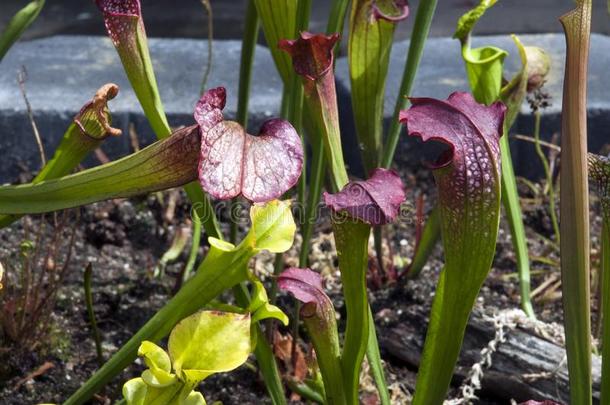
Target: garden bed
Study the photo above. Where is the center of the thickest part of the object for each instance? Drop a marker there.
(124, 240)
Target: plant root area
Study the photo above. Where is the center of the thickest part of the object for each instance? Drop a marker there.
(48, 350)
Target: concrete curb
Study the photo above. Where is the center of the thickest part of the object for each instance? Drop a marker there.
(65, 71)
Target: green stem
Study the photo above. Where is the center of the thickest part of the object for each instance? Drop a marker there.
(18, 24)
(605, 312)
(190, 264)
(95, 332)
(374, 357)
(512, 208)
(248, 48)
(305, 391)
(164, 164)
(352, 239)
(574, 200)
(263, 353)
(336, 19)
(421, 28)
(211, 279)
(447, 326)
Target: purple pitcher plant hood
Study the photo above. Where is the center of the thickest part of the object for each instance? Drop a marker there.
(468, 183)
(122, 18)
(472, 131)
(312, 58)
(390, 10)
(312, 54)
(375, 201)
(233, 162)
(306, 286)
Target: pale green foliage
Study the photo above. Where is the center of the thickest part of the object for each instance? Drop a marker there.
(205, 343)
(260, 308)
(19, 23)
(467, 22)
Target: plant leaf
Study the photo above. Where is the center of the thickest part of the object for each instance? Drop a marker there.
(134, 391)
(90, 127)
(599, 172)
(273, 227)
(372, 24)
(468, 182)
(233, 162)
(18, 24)
(278, 19)
(574, 208)
(484, 66)
(260, 308)
(209, 342)
(125, 27)
(375, 201)
(467, 22)
(312, 58)
(154, 356)
(165, 164)
(318, 315)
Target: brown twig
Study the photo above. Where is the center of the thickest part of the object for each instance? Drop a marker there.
(46, 366)
(22, 76)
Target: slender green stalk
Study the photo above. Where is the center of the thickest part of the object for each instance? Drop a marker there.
(374, 357)
(605, 312)
(547, 174)
(196, 240)
(165, 164)
(336, 19)
(95, 332)
(574, 204)
(429, 238)
(352, 239)
(512, 209)
(248, 47)
(18, 24)
(263, 352)
(306, 391)
(421, 28)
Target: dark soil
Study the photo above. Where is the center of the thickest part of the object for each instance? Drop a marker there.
(125, 239)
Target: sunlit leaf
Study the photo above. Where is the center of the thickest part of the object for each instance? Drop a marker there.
(372, 24)
(18, 24)
(278, 18)
(134, 391)
(209, 342)
(260, 308)
(273, 227)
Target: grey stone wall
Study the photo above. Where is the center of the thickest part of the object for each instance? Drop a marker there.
(65, 71)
